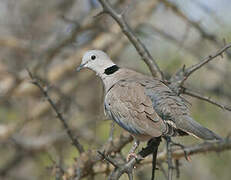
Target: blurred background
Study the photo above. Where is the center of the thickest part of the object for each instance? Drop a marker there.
(50, 37)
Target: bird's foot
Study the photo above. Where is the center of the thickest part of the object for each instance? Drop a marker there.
(132, 153)
(130, 156)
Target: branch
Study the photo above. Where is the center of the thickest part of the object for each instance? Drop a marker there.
(87, 160)
(108, 159)
(177, 81)
(127, 167)
(169, 37)
(74, 140)
(169, 158)
(205, 98)
(205, 147)
(177, 154)
(195, 67)
(62, 70)
(140, 47)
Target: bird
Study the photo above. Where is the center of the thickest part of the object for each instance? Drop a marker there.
(142, 105)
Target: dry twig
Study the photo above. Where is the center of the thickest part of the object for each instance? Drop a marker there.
(197, 66)
(140, 47)
(205, 98)
(74, 140)
(177, 80)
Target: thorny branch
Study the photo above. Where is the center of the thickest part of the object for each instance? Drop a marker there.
(140, 47)
(109, 159)
(86, 161)
(177, 80)
(195, 67)
(183, 74)
(205, 147)
(176, 154)
(205, 98)
(169, 158)
(74, 140)
(127, 167)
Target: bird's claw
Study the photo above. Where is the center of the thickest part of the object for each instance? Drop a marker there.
(130, 156)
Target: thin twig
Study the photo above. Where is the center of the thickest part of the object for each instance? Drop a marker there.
(195, 67)
(177, 153)
(127, 167)
(130, 176)
(140, 47)
(59, 171)
(108, 159)
(169, 158)
(111, 135)
(177, 81)
(74, 140)
(205, 98)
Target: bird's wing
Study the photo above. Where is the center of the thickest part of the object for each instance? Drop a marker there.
(168, 105)
(173, 110)
(127, 103)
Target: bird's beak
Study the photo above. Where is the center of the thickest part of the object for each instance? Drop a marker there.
(80, 67)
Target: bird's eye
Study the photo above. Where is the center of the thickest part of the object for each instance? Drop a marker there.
(93, 57)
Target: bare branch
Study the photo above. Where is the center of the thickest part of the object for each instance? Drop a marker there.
(178, 153)
(177, 81)
(74, 140)
(140, 47)
(109, 159)
(205, 98)
(118, 143)
(169, 158)
(195, 67)
(128, 166)
(87, 160)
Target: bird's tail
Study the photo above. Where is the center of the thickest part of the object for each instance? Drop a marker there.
(192, 127)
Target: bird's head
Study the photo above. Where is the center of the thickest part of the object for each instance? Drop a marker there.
(96, 60)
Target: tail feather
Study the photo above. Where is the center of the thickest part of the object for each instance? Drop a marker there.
(192, 127)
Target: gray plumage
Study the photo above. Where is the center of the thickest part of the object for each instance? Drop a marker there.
(142, 105)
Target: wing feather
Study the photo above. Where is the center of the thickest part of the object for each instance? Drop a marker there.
(132, 109)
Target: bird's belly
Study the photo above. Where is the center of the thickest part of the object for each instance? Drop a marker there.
(128, 127)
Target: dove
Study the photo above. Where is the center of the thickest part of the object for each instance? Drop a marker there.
(142, 105)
